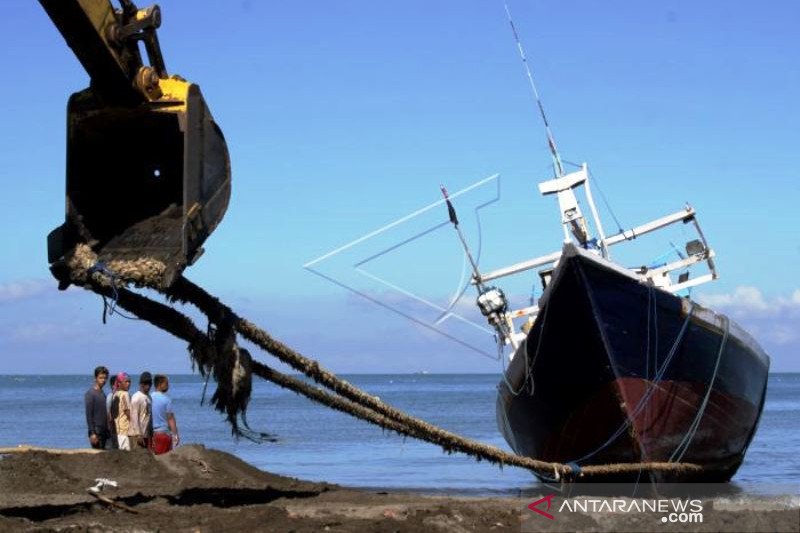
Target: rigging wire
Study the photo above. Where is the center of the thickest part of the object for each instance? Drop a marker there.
(683, 447)
(605, 201)
(659, 374)
(596, 184)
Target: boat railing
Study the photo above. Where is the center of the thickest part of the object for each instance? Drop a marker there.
(697, 252)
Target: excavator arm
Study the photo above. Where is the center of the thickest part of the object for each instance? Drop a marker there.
(148, 170)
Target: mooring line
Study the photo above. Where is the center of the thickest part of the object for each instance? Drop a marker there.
(229, 363)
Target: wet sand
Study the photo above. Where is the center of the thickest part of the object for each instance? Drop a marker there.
(197, 489)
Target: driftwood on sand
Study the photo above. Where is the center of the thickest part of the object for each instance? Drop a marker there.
(25, 448)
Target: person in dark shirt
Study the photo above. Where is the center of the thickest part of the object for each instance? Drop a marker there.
(112, 428)
(95, 403)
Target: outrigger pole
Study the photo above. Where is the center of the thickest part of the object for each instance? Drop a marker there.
(491, 300)
(451, 211)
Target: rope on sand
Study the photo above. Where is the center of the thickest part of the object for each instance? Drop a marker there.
(216, 352)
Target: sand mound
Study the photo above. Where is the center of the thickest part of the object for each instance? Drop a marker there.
(196, 489)
(34, 478)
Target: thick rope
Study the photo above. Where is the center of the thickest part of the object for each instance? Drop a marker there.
(348, 398)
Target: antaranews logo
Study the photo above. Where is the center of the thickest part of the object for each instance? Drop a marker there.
(534, 506)
(673, 511)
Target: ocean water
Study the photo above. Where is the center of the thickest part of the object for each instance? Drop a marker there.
(317, 443)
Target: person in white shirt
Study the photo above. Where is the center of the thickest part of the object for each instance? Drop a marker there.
(141, 427)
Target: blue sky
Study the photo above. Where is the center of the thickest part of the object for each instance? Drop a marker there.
(344, 116)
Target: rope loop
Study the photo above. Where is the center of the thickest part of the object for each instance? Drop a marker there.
(575, 471)
(100, 267)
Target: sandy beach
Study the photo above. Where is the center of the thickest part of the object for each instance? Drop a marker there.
(198, 489)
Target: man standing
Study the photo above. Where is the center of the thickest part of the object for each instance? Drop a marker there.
(121, 410)
(141, 408)
(165, 428)
(95, 403)
(112, 429)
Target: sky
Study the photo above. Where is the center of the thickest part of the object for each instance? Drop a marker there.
(342, 117)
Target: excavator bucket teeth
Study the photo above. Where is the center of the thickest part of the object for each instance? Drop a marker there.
(150, 181)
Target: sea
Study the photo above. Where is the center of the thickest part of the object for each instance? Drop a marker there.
(316, 443)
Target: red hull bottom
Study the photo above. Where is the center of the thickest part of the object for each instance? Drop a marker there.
(651, 427)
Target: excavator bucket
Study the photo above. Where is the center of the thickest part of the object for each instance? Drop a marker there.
(148, 171)
(146, 182)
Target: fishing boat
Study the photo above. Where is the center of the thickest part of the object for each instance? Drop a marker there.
(611, 363)
(615, 364)
(617, 368)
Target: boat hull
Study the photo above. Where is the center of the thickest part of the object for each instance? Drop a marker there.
(616, 371)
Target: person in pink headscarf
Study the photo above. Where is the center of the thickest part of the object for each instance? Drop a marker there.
(121, 410)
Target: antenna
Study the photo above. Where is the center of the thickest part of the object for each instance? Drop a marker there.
(550, 140)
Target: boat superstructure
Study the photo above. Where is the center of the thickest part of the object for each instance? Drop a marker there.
(674, 276)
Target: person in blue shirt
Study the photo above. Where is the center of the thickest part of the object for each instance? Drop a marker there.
(165, 428)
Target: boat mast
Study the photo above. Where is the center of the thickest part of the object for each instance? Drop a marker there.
(551, 142)
(563, 185)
